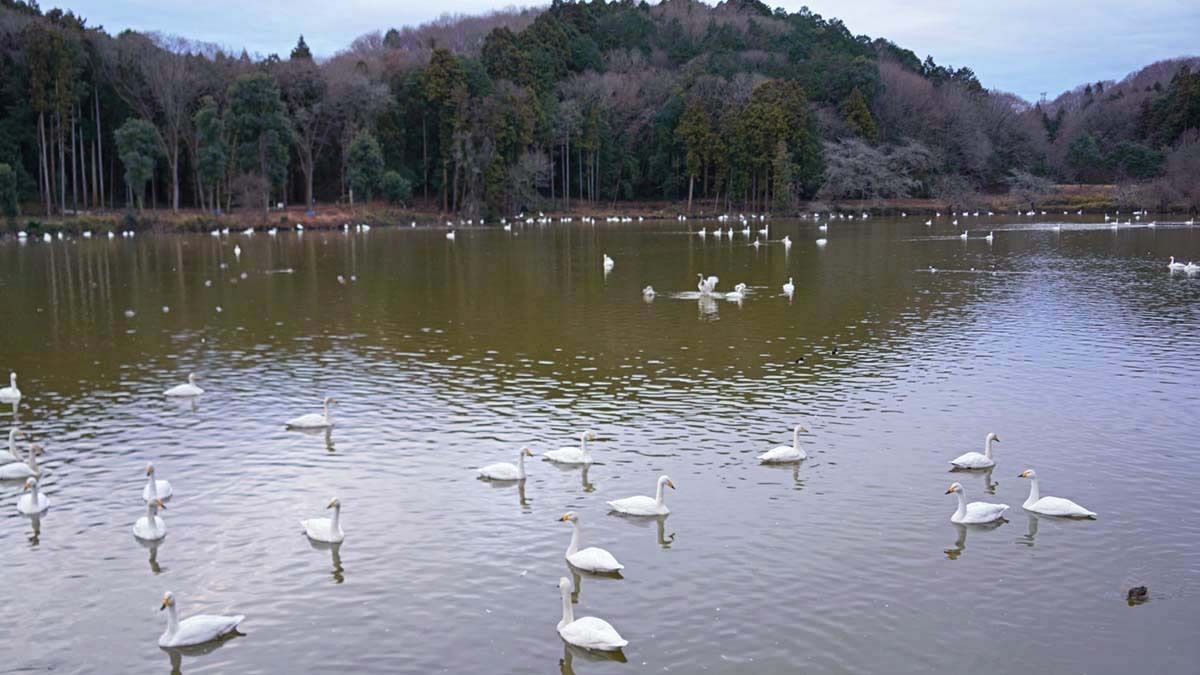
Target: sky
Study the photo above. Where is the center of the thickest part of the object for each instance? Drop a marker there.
(1023, 46)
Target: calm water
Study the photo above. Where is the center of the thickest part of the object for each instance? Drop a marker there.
(1077, 347)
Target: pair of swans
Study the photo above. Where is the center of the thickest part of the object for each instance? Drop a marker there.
(194, 630)
(183, 390)
(12, 394)
(978, 513)
(569, 455)
(642, 505)
(503, 471)
(784, 454)
(977, 460)
(21, 469)
(313, 420)
(326, 530)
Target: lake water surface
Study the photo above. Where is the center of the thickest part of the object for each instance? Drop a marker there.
(1076, 346)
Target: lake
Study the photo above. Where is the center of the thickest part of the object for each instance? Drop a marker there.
(1075, 345)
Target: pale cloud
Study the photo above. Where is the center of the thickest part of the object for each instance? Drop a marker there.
(1023, 46)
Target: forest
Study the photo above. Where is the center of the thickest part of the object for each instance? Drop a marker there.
(574, 105)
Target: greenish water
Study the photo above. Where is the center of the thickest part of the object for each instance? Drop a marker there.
(1076, 346)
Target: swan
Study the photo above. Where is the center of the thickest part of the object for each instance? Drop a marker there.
(977, 460)
(587, 632)
(569, 455)
(194, 630)
(10, 393)
(824, 227)
(27, 469)
(757, 243)
(11, 455)
(1051, 506)
(822, 241)
(787, 241)
(189, 389)
(738, 292)
(975, 513)
(990, 236)
(590, 559)
(644, 506)
(450, 235)
(963, 235)
(313, 420)
(155, 489)
(648, 293)
(33, 502)
(789, 287)
(326, 530)
(1191, 268)
(928, 223)
(1171, 266)
(506, 471)
(609, 263)
(150, 527)
(784, 454)
(708, 285)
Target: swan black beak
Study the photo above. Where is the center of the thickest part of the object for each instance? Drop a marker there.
(670, 485)
(164, 605)
(950, 491)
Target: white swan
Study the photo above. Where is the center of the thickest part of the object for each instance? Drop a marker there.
(155, 489)
(738, 292)
(194, 630)
(587, 632)
(644, 506)
(706, 286)
(789, 287)
(151, 527)
(1191, 268)
(787, 241)
(450, 235)
(977, 460)
(975, 513)
(590, 559)
(784, 454)
(609, 263)
(506, 471)
(26, 469)
(1171, 266)
(569, 455)
(964, 234)
(648, 293)
(1051, 506)
(189, 389)
(11, 455)
(822, 241)
(33, 501)
(824, 227)
(313, 420)
(327, 530)
(10, 393)
(990, 236)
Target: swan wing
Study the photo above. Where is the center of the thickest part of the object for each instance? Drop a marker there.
(972, 460)
(163, 487)
(568, 456)
(499, 471)
(592, 633)
(639, 505)
(201, 628)
(593, 559)
(310, 420)
(1057, 506)
(321, 529)
(26, 505)
(984, 512)
(783, 453)
(184, 390)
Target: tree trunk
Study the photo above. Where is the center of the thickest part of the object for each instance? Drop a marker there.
(691, 187)
(74, 168)
(62, 166)
(45, 161)
(99, 148)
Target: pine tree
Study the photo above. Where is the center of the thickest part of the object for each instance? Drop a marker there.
(301, 50)
(858, 115)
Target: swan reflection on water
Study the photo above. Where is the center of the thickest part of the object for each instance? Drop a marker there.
(960, 543)
(1028, 538)
(326, 432)
(664, 540)
(790, 467)
(35, 523)
(566, 664)
(335, 553)
(583, 473)
(176, 654)
(152, 547)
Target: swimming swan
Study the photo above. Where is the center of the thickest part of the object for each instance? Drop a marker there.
(151, 527)
(587, 632)
(327, 530)
(590, 559)
(977, 460)
(784, 454)
(609, 263)
(155, 489)
(1051, 506)
(26, 469)
(975, 513)
(789, 287)
(506, 471)
(644, 506)
(569, 455)
(194, 630)
(189, 389)
(33, 501)
(11, 394)
(313, 420)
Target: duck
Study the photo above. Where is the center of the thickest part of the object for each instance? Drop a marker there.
(648, 293)
(570, 455)
(975, 513)
(26, 469)
(33, 501)
(1050, 506)
(313, 420)
(194, 630)
(189, 389)
(737, 293)
(789, 287)
(505, 471)
(11, 455)
(977, 460)
(590, 559)
(586, 632)
(1171, 266)
(11, 393)
(326, 530)
(155, 489)
(644, 506)
(609, 263)
(151, 527)
(784, 454)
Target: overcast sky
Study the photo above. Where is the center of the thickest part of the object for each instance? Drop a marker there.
(1022, 46)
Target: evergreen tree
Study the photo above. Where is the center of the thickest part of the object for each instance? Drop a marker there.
(858, 115)
(213, 149)
(137, 146)
(301, 51)
(259, 121)
(364, 166)
(8, 194)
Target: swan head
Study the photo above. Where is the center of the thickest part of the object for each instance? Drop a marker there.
(36, 449)
(167, 601)
(30, 484)
(956, 487)
(564, 585)
(800, 428)
(570, 516)
(329, 400)
(158, 503)
(1028, 473)
(993, 437)
(191, 378)
(664, 480)
(149, 469)
(526, 452)
(12, 377)
(589, 435)
(334, 503)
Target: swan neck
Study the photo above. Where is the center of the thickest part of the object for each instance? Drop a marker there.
(172, 620)
(12, 443)
(152, 486)
(796, 438)
(987, 447)
(574, 545)
(962, 505)
(568, 616)
(521, 465)
(326, 407)
(658, 494)
(1035, 492)
(334, 524)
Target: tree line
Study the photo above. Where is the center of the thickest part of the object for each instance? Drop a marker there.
(590, 103)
